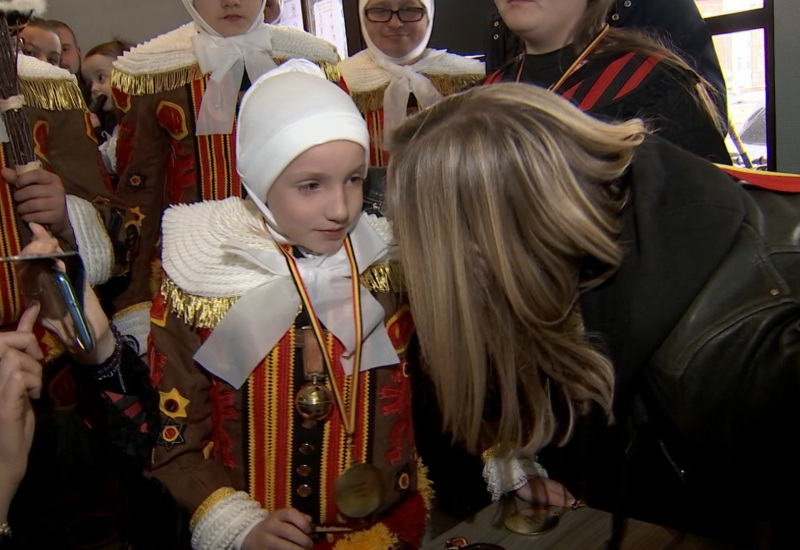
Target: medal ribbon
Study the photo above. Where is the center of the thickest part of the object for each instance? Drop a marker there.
(348, 417)
(575, 64)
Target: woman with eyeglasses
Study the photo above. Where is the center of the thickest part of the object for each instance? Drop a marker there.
(397, 74)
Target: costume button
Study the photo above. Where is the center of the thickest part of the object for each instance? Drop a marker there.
(615, 17)
(306, 449)
(497, 23)
(496, 36)
(304, 470)
(304, 490)
(627, 3)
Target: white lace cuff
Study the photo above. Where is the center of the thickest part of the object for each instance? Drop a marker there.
(94, 246)
(135, 321)
(222, 525)
(506, 474)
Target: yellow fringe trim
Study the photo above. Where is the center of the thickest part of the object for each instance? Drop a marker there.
(213, 499)
(51, 94)
(145, 84)
(446, 84)
(196, 311)
(425, 487)
(384, 278)
(204, 312)
(377, 537)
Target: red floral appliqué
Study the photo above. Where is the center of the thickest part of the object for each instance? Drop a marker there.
(222, 409)
(397, 401)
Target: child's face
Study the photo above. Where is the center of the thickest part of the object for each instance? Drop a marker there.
(317, 199)
(229, 17)
(96, 71)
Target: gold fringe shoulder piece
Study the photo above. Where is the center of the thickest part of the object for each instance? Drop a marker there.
(376, 537)
(51, 94)
(425, 487)
(195, 311)
(446, 84)
(145, 84)
(331, 70)
(384, 278)
(151, 83)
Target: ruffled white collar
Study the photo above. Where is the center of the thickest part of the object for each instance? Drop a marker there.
(221, 248)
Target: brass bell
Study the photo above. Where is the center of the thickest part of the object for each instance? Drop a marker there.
(313, 402)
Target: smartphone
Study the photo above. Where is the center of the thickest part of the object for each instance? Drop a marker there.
(83, 335)
(38, 268)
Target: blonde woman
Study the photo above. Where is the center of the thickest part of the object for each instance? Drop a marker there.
(571, 279)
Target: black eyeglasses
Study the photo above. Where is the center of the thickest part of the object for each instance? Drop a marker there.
(384, 15)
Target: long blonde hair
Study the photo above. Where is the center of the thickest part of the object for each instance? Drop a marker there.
(498, 195)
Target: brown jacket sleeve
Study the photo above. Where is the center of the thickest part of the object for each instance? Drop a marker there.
(156, 166)
(184, 459)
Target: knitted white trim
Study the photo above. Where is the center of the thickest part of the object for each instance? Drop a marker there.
(38, 7)
(193, 235)
(362, 74)
(135, 321)
(173, 50)
(222, 524)
(29, 68)
(92, 239)
(506, 474)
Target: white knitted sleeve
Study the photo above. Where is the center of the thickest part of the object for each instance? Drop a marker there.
(506, 474)
(94, 246)
(220, 528)
(135, 321)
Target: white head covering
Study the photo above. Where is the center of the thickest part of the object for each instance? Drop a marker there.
(405, 73)
(284, 114)
(226, 58)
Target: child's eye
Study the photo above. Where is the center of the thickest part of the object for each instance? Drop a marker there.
(101, 78)
(356, 180)
(308, 187)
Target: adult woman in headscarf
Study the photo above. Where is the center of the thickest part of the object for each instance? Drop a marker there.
(612, 73)
(178, 94)
(397, 73)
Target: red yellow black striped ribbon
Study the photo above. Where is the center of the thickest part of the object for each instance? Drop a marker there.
(348, 416)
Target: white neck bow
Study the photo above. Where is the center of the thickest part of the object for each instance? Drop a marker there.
(261, 317)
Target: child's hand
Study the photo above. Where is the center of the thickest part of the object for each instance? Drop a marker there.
(40, 198)
(285, 529)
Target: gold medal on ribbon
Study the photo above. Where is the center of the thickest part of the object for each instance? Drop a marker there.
(358, 492)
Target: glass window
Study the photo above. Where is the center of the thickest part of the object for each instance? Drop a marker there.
(710, 8)
(741, 56)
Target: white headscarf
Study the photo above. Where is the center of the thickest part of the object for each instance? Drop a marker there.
(285, 113)
(226, 58)
(406, 77)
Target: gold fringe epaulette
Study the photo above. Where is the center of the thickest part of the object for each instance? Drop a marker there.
(51, 94)
(331, 70)
(384, 278)
(196, 311)
(425, 487)
(145, 84)
(446, 84)
(376, 537)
